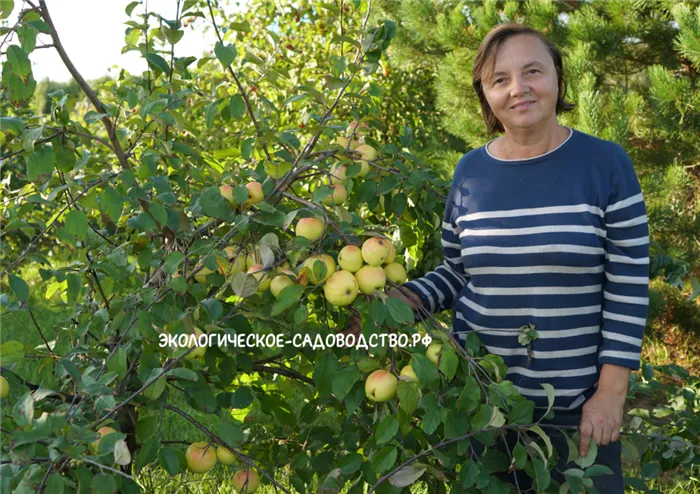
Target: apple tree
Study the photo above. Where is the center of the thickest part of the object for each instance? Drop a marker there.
(206, 231)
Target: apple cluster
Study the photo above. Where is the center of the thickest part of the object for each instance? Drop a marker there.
(202, 456)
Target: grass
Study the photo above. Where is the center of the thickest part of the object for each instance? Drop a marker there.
(673, 337)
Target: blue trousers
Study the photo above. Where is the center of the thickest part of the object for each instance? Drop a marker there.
(609, 455)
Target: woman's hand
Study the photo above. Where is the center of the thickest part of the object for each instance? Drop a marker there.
(601, 418)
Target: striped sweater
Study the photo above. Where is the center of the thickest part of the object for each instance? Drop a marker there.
(560, 241)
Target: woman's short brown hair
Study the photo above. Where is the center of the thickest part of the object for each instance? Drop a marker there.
(485, 61)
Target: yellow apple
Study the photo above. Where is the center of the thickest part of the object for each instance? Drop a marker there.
(433, 352)
(253, 257)
(281, 281)
(370, 278)
(364, 169)
(225, 456)
(350, 258)
(408, 373)
(246, 481)
(102, 431)
(4, 387)
(338, 174)
(284, 266)
(380, 386)
(201, 275)
(310, 228)
(227, 193)
(199, 351)
(309, 263)
(392, 253)
(396, 273)
(367, 152)
(200, 457)
(258, 271)
(375, 251)
(341, 288)
(341, 141)
(360, 129)
(255, 192)
(337, 196)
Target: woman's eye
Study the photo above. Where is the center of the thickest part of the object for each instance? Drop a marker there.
(533, 70)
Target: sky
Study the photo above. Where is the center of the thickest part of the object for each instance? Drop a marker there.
(92, 33)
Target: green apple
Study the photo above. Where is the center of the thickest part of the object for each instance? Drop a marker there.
(396, 273)
(338, 174)
(277, 170)
(258, 271)
(408, 373)
(227, 193)
(350, 258)
(375, 251)
(310, 228)
(4, 387)
(433, 352)
(245, 481)
(281, 281)
(309, 264)
(370, 278)
(255, 192)
(337, 196)
(200, 457)
(341, 288)
(380, 386)
(225, 456)
(199, 351)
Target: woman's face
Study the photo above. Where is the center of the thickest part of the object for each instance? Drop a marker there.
(523, 71)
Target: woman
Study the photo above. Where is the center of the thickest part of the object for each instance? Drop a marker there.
(546, 225)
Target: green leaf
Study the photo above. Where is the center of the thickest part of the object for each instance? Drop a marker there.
(649, 470)
(172, 261)
(386, 429)
(6, 7)
(287, 297)
(23, 411)
(20, 287)
(158, 63)
(131, 7)
(76, 223)
(350, 463)
(214, 309)
(168, 460)
(596, 470)
(384, 459)
(409, 396)
(589, 459)
(290, 139)
(210, 112)
(111, 202)
(104, 484)
(400, 311)
(75, 285)
(213, 203)
(236, 106)
(225, 53)
(11, 351)
(522, 413)
(40, 163)
(183, 373)
(449, 362)
(18, 62)
(344, 380)
(231, 433)
(27, 37)
(92, 117)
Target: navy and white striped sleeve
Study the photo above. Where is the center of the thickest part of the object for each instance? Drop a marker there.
(439, 289)
(626, 289)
